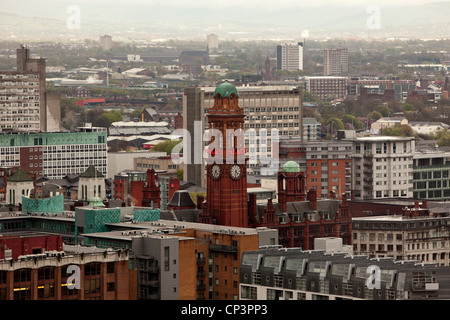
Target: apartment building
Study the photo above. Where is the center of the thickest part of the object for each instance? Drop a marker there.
(265, 107)
(327, 87)
(383, 167)
(335, 61)
(178, 260)
(327, 164)
(414, 235)
(55, 154)
(25, 104)
(280, 274)
(290, 56)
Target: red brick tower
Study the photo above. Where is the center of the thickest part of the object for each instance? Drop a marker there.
(227, 178)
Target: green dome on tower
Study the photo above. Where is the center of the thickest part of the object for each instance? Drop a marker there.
(291, 166)
(225, 89)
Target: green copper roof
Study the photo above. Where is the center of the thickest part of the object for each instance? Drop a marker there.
(20, 176)
(291, 166)
(96, 202)
(225, 89)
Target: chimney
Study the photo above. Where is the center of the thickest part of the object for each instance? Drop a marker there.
(312, 198)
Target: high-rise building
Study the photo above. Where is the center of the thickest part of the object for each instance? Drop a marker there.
(383, 167)
(106, 42)
(25, 104)
(335, 61)
(265, 107)
(290, 56)
(213, 41)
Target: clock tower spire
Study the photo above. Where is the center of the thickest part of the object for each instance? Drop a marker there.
(227, 171)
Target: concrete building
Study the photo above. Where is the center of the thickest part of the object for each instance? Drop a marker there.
(106, 42)
(213, 41)
(335, 61)
(379, 88)
(327, 87)
(55, 154)
(290, 56)
(280, 274)
(312, 129)
(383, 167)
(265, 107)
(416, 234)
(25, 104)
(121, 161)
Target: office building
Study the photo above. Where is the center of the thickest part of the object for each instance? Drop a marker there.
(25, 104)
(290, 56)
(431, 172)
(265, 107)
(383, 167)
(416, 234)
(367, 89)
(335, 61)
(55, 154)
(327, 87)
(280, 274)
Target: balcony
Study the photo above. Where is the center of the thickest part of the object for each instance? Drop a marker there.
(222, 248)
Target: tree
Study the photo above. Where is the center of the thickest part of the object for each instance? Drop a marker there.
(348, 118)
(165, 146)
(398, 130)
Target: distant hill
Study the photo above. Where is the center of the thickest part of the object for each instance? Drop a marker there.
(48, 17)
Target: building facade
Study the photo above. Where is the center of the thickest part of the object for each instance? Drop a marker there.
(383, 167)
(55, 154)
(265, 107)
(279, 274)
(290, 56)
(102, 275)
(25, 104)
(327, 87)
(327, 164)
(335, 61)
(431, 172)
(414, 235)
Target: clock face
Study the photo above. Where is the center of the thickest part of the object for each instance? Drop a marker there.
(236, 171)
(215, 171)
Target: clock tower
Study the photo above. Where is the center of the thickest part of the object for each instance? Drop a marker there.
(226, 181)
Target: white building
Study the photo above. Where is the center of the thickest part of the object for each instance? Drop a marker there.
(18, 184)
(91, 185)
(213, 41)
(290, 56)
(383, 167)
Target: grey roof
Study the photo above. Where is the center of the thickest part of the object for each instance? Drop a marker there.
(181, 198)
(302, 208)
